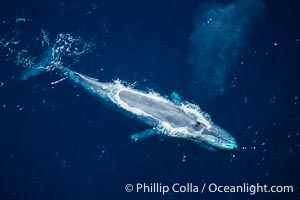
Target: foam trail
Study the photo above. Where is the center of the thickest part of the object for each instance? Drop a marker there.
(216, 42)
(18, 44)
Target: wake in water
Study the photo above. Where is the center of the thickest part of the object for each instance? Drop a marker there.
(23, 38)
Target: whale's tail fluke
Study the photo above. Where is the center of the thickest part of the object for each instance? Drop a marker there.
(33, 71)
(27, 73)
(65, 50)
(47, 63)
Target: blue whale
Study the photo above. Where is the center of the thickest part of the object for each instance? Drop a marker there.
(170, 117)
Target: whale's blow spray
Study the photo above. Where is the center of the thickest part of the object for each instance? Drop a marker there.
(215, 43)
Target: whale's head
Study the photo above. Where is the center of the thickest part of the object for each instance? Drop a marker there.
(213, 137)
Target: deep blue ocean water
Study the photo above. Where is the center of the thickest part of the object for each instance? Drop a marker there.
(238, 61)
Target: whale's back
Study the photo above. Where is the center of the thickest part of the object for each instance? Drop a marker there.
(160, 110)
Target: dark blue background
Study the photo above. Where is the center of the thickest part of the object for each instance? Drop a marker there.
(61, 146)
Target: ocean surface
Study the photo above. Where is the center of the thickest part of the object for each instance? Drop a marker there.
(237, 59)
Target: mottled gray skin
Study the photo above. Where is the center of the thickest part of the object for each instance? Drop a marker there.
(213, 138)
(162, 111)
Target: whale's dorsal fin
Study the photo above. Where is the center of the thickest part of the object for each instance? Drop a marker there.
(175, 97)
(142, 135)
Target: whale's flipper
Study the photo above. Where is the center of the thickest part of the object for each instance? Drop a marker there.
(175, 97)
(142, 135)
